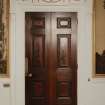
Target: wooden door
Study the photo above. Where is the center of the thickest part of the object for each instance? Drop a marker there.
(51, 61)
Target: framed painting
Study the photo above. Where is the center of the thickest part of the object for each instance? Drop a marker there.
(4, 38)
(98, 38)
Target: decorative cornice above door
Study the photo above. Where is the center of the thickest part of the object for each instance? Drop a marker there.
(47, 2)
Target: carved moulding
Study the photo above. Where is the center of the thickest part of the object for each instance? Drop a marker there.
(64, 22)
(58, 1)
(52, 2)
(4, 38)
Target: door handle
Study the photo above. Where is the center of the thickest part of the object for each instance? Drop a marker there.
(30, 75)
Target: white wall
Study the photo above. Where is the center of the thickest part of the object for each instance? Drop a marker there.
(90, 92)
(5, 96)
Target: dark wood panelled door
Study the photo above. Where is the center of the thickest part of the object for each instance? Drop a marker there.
(51, 61)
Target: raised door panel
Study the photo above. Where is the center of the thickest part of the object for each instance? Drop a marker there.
(39, 79)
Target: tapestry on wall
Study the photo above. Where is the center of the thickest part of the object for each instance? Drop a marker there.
(4, 37)
(99, 38)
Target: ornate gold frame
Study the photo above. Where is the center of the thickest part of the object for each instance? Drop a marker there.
(94, 74)
(4, 38)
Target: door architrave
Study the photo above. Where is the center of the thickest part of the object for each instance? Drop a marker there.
(20, 43)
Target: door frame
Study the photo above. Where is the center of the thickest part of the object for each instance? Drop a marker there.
(20, 43)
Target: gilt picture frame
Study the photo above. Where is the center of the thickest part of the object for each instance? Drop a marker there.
(4, 38)
(98, 38)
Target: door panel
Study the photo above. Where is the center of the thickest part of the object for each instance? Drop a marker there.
(36, 79)
(51, 54)
(64, 61)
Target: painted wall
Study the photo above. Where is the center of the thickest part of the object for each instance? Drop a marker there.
(91, 91)
(5, 96)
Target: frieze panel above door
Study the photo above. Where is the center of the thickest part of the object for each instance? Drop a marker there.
(50, 2)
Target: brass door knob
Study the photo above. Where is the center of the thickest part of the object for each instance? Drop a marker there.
(30, 75)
